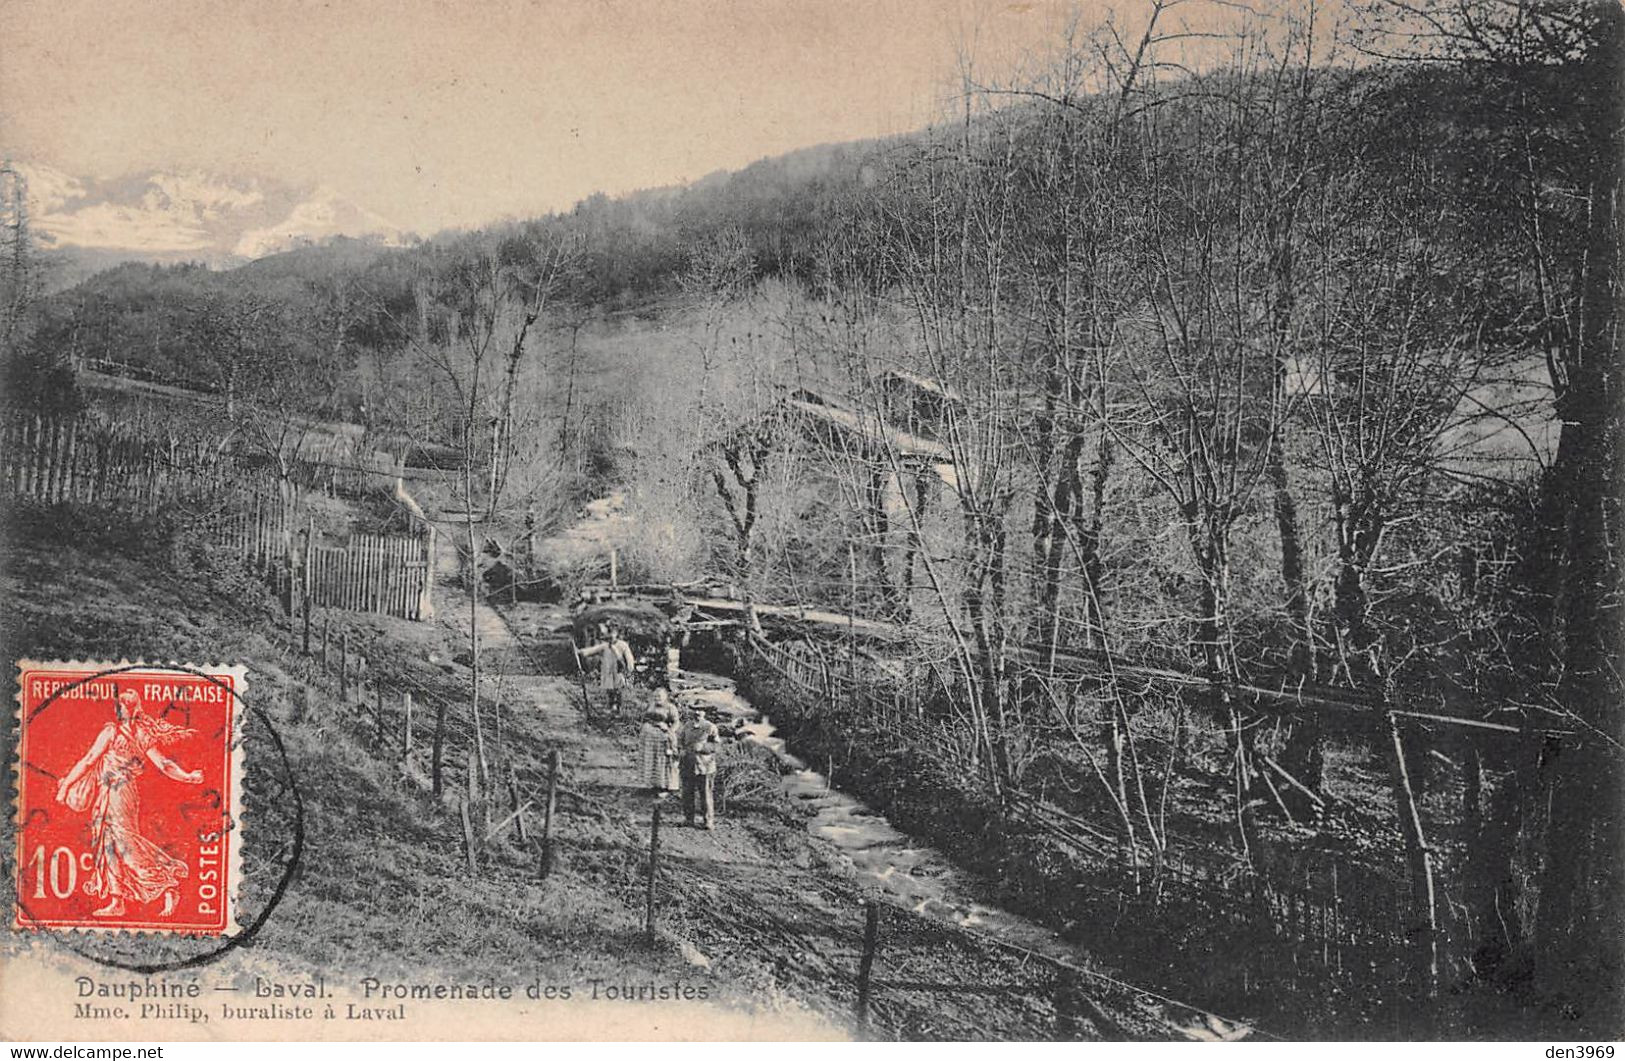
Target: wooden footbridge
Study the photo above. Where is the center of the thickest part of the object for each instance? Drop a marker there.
(709, 607)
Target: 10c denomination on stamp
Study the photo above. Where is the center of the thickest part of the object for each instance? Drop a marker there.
(127, 797)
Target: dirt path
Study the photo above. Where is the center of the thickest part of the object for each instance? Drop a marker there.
(759, 902)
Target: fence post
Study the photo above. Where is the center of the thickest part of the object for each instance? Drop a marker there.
(1423, 931)
(306, 578)
(654, 873)
(344, 666)
(518, 807)
(468, 838)
(406, 727)
(327, 631)
(425, 600)
(437, 760)
(547, 813)
(380, 700)
(871, 938)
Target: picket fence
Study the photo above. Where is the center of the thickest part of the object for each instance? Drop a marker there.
(389, 574)
(74, 461)
(57, 460)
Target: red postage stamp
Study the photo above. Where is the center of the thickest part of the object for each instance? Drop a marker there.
(127, 804)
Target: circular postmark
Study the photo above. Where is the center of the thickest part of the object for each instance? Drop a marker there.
(130, 799)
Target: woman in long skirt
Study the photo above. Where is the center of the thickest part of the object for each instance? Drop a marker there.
(656, 740)
(125, 865)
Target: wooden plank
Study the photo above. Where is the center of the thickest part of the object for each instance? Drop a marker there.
(73, 459)
(31, 475)
(392, 581)
(654, 871)
(59, 459)
(393, 600)
(399, 600)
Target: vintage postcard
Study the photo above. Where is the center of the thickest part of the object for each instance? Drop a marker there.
(885, 520)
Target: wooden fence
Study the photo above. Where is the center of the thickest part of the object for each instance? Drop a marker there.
(53, 461)
(74, 460)
(1350, 929)
(390, 574)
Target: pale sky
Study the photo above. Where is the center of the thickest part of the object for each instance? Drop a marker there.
(439, 113)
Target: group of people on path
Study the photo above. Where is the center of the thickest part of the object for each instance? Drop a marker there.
(675, 754)
(679, 755)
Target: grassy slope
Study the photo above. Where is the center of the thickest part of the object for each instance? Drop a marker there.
(763, 915)
(382, 888)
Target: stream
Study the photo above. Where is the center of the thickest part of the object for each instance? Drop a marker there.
(913, 875)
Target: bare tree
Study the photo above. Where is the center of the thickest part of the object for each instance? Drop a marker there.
(1552, 78)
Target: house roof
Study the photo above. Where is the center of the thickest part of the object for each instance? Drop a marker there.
(872, 430)
(923, 383)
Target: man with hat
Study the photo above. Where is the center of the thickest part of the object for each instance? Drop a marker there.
(697, 743)
(616, 664)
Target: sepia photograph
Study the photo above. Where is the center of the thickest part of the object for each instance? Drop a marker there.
(812, 520)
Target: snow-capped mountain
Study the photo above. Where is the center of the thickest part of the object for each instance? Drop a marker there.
(322, 215)
(186, 216)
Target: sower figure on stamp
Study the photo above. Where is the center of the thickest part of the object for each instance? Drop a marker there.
(615, 665)
(698, 742)
(124, 864)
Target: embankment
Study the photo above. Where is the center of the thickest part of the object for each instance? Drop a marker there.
(1212, 946)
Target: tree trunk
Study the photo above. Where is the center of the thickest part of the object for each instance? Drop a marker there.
(1424, 914)
(1578, 920)
(1089, 531)
(1053, 512)
(1302, 753)
(878, 530)
(922, 494)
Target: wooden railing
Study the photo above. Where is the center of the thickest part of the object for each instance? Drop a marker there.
(1353, 927)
